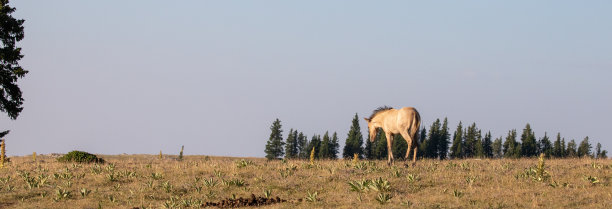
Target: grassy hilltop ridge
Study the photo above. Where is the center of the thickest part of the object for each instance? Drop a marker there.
(145, 181)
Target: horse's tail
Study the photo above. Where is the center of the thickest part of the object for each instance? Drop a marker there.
(414, 127)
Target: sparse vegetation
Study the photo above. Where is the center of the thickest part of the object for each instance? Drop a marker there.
(144, 181)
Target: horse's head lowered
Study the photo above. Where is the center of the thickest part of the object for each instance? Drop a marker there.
(372, 129)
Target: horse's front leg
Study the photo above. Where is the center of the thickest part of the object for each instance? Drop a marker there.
(389, 151)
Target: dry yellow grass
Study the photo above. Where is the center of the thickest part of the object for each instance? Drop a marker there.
(145, 181)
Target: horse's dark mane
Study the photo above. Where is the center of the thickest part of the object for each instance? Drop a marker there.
(378, 110)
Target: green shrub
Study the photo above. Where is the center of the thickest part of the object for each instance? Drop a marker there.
(80, 157)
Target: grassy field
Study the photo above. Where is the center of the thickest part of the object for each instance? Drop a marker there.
(144, 181)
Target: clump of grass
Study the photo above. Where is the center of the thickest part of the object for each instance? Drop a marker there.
(243, 163)
(592, 179)
(465, 166)
(96, 169)
(218, 173)
(396, 173)
(85, 192)
(61, 194)
(157, 176)
(470, 180)
(110, 167)
(378, 184)
(211, 194)
(412, 177)
(286, 172)
(210, 182)
(5, 180)
(112, 177)
(555, 184)
(233, 182)
(359, 186)
(451, 165)
(312, 197)
(80, 157)
(361, 166)
(167, 186)
(537, 173)
(267, 193)
(596, 166)
(112, 198)
(383, 198)
(31, 182)
(457, 193)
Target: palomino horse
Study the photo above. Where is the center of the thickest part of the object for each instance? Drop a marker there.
(405, 121)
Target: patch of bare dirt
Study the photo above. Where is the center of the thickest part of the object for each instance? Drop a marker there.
(244, 202)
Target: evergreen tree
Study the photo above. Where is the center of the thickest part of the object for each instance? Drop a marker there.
(528, 147)
(302, 140)
(380, 145)
(399, 146)
(571, 149)
(291, 146)
(512, 149)
(354, 140)
(431, 148)
(315, 142)
(470, 141)
(598, 150)
(11, 32)
(369, 149)
(604, 154)
(546, 146)
(274, 146)
(444, 141)
(424, 148)
(325, 151)
(487, 145)
(563, 148)
(584, 150)
(497, 148)
(557, 150)
(456, 148)
(335, 146)
(421, 138)
(479, 148)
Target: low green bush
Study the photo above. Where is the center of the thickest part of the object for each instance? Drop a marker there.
(80, 157)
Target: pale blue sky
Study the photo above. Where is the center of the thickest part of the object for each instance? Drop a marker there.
(139, 76)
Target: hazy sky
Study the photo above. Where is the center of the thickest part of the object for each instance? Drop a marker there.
(117, 77)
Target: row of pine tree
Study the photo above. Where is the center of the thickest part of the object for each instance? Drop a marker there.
(468, 142)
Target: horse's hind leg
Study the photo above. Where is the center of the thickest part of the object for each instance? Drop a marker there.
(414, 158)
(409, 142)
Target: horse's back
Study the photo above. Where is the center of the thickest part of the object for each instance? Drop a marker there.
(405, 115)
(408, 111)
